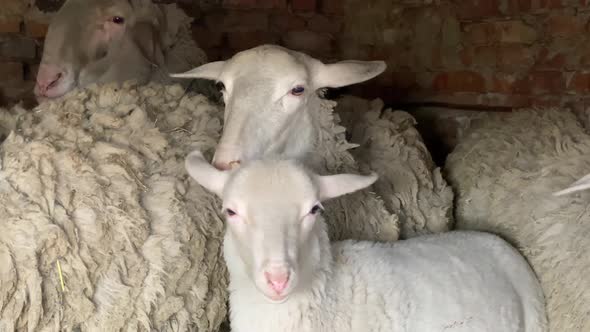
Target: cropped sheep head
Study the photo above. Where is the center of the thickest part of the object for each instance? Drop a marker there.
(94, 41)
(271, 207)
(269, 92)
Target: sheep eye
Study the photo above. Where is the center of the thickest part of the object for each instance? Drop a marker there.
(297, 91)
(220, 86)
(118, 20)
(230, 212)
(315, 209)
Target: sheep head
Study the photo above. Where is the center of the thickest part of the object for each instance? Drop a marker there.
(273, 234)
(269, 92)
(97, 41)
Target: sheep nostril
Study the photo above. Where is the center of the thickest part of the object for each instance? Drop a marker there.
(234, 164)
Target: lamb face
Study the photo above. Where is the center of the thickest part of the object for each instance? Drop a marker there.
(269, 93)
(273, 235)
(92, 41)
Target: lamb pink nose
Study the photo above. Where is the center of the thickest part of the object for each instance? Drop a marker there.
(277, 280)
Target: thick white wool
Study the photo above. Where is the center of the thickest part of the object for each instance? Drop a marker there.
(410, 183)
(504, 172)
(96, 181)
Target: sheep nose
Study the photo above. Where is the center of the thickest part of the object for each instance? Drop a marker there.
(48, 77)
(277, 279)
(226, 166)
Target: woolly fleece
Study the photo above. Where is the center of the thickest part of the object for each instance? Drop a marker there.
(504, 173)
(96, 181)
(410, 183)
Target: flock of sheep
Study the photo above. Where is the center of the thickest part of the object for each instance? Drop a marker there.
(113, 219)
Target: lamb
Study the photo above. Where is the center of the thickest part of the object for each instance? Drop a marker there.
(285, 275)
(98, 41)
(504, 172)
(273, 109)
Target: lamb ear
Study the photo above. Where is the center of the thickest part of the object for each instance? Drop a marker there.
(346, 73)
(581, 184)
(331, 186)
(204, 173)
(210, 71)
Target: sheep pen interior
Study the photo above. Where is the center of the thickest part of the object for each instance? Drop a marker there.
(479, 117)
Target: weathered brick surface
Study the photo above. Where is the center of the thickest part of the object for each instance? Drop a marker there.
(508, 53)
(17, 47)
(11, 72)
(10, 24)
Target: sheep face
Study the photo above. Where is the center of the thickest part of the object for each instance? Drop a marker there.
(273, 237)
(87, 38)
(268, 91)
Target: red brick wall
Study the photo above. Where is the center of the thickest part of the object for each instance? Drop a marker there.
(20, 50)
(479, 53)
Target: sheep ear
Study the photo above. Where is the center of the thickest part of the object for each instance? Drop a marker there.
(331, 186)
(581, 184)
(346, 73)
(204, 173)
(210, 71)
(144, 36)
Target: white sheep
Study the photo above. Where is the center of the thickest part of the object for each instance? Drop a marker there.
(273, 108)
(285, 275)
(96, 41)
(504, 172)
(271, 100)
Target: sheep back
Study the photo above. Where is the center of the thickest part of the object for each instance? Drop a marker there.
(504, 172)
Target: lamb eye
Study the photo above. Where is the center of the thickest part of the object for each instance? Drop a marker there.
(118, 20)
(315, 209)
(230, 212)
(297, 91)
(220, 86)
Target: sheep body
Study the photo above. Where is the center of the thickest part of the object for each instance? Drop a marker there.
(285, 275)
(504, 172)
(457, 281)
(95, 181)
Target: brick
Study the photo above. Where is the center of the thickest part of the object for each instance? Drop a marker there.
(321, 23)
(285, 22)
(515, 31)
(18, 48)
(515, 56)
(503, 83)
(304, 5)
(332, 7)
(237, 20)
(480, 56)
(10, 24)
(479, 33)
(305, 40)
(459, 81)
(538, 82)
(11, 72)
(563, 25)
(476, 9)
(36, 29)
(206, 38)
(548, 59)
(255, 4)
(13, 7)
(580, 83)
(244, 40)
